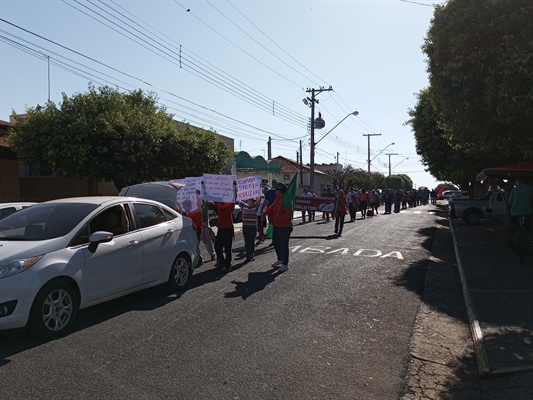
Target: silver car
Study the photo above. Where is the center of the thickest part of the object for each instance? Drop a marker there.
(63, 255)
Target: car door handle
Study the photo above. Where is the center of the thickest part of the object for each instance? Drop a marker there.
(170, 232)
(133, 243)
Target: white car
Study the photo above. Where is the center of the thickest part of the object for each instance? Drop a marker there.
(9, 208)
(60, 256)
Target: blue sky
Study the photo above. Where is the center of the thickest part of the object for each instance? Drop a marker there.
(240, 68)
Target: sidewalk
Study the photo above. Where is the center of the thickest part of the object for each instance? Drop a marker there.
(498, 292)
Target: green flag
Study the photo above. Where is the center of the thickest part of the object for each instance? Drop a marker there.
(290, 194)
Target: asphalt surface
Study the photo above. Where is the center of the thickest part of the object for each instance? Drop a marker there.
(378, 313)
(337, 325)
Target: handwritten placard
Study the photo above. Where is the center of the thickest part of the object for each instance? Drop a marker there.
(188, 198)
(249, 188)
(218, 188)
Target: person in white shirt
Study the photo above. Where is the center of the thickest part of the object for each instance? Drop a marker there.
(353, 200)
(306, 194)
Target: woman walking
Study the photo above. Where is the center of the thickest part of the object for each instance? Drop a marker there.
(281, 219)
(363, 202)
(340, 211)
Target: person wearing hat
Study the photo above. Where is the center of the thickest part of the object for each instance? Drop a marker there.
(281, 219)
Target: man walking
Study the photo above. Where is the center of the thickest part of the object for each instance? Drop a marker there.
(306, 194)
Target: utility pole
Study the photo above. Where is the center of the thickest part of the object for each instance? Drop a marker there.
(391, 154)
(301, 166)
(269, 148)
(313, 100)
(368, 136)
(337, 160)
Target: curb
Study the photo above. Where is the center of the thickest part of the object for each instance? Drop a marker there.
(484, 369)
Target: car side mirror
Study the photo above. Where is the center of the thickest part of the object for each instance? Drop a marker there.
(99, 237)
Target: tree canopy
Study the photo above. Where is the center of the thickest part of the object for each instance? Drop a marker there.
(104, 134)
(359, 178)
(478, 109)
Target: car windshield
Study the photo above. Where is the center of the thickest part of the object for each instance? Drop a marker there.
(44, 221)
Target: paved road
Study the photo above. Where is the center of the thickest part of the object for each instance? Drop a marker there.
(337, 325)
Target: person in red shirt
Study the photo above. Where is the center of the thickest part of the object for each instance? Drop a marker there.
(225, 233)
(340, 211)
(281, 219)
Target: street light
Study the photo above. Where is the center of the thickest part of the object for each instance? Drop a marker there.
(370, 161)
(313, 144)
(400, 162)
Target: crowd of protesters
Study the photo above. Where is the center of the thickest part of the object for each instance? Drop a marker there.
(368, 203)
(268, 210)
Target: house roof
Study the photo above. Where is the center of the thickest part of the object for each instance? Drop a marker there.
(291, 166)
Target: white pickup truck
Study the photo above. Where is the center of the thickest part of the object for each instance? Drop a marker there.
(472, 211)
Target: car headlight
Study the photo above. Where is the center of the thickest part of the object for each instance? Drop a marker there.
(13, 267)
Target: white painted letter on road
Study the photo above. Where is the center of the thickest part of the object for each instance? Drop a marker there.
(360, 253)
(396, 254)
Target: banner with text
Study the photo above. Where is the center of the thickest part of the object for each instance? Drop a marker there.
(322, 204)
(218, 188)
(188, 197)
(249, 188)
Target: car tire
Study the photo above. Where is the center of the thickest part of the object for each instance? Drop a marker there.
(53, 311)
(472, 217)
(239, 216)
(180, 273)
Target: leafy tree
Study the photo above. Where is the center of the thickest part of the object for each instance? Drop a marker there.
(478, 110)
(358, 178)
(121, 137)
(480, 64)
(408, 181)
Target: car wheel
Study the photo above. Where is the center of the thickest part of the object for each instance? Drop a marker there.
(239, 216)
(179, 273)
(54, 310)
(472, 217)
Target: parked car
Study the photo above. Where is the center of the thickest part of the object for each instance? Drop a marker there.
(9, 208)
(446, 194)
(472, 211)
(213, 216)
(60, 256)
(165, 192)
(459, 194)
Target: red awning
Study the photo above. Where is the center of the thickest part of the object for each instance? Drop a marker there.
(507, 171)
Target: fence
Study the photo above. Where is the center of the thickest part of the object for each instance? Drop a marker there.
(23, 199)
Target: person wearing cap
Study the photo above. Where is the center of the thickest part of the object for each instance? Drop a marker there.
(249, 227)
(281, 219)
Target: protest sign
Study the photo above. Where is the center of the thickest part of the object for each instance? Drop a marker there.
(188, 198)
(325, 204)
(249, 188)
(218, 188)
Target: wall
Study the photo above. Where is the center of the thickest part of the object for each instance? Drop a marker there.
(9, 178)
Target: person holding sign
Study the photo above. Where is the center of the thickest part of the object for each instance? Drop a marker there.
(225, 232)
(281, 219)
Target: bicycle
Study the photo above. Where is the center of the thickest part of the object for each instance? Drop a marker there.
(521, 238)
